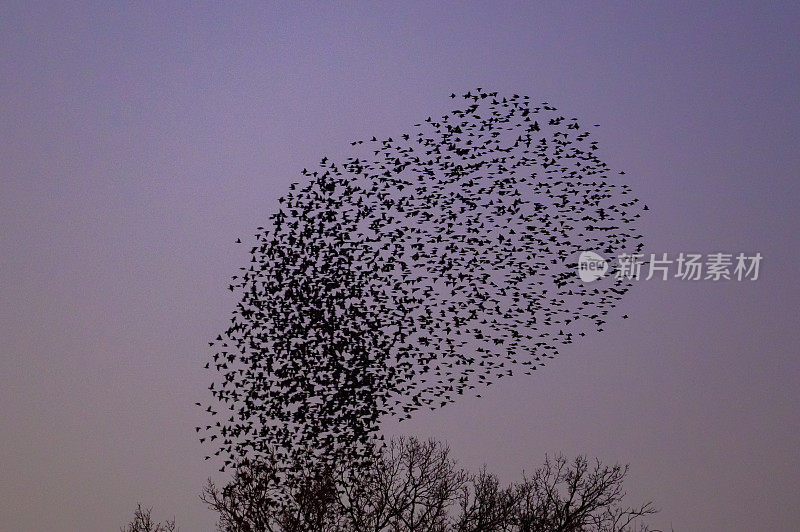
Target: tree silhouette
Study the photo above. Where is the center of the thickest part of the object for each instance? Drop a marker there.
(143, 522)
(415, 486)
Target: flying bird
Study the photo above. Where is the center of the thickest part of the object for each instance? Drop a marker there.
(420, 269)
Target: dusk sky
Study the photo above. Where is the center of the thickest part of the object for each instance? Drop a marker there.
(138, 143)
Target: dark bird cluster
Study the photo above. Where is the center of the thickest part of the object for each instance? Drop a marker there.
(424, 267)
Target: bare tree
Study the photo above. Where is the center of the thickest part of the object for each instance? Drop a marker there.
(415, 486)
(143, 522)
(577, 497)
(257, 501)
(483, 504)
(409, 487)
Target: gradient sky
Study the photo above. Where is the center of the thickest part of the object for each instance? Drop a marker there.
(136, 145)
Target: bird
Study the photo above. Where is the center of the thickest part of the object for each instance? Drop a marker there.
(411, 274)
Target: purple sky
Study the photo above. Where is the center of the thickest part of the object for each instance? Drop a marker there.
(137, 144)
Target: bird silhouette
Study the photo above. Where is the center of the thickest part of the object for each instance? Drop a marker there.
(419, 270)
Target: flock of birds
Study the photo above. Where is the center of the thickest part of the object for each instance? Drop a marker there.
(424, 267)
